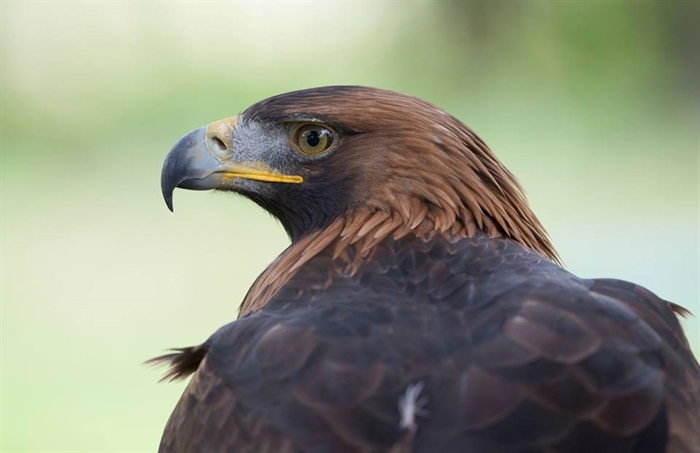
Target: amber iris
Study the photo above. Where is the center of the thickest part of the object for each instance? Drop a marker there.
(312, 139)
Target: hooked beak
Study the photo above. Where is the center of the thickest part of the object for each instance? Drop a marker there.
(205, 159)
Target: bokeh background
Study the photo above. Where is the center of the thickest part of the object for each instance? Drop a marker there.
(594, 105)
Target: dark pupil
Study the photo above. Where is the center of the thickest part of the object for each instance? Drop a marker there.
(313, 138)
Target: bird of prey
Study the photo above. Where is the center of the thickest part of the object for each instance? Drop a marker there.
(420, 307)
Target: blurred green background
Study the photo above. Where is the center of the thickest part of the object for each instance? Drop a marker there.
(595, 106)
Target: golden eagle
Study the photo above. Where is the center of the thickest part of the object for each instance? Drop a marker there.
(420, 307)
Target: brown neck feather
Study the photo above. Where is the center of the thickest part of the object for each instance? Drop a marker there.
(362, 230)
(433, 175)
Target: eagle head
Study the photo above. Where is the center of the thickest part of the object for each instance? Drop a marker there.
(312, 156)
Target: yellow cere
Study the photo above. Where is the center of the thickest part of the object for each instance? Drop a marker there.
(223, 131)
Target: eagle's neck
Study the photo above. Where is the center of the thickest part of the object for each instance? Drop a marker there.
(353, 238)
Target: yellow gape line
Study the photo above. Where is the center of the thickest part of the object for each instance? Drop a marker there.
(261, 175)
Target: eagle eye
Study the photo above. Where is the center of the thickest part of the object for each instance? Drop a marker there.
(312, 139)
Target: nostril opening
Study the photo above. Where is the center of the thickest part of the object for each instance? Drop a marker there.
(218, 144)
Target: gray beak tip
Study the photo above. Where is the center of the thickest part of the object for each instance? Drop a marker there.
(167, 184)
(169, 203)
(183, 163)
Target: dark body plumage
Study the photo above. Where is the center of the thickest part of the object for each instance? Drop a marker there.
(515, 354)
(437, 340)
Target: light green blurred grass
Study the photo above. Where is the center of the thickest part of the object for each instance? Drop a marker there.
(587, 104)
